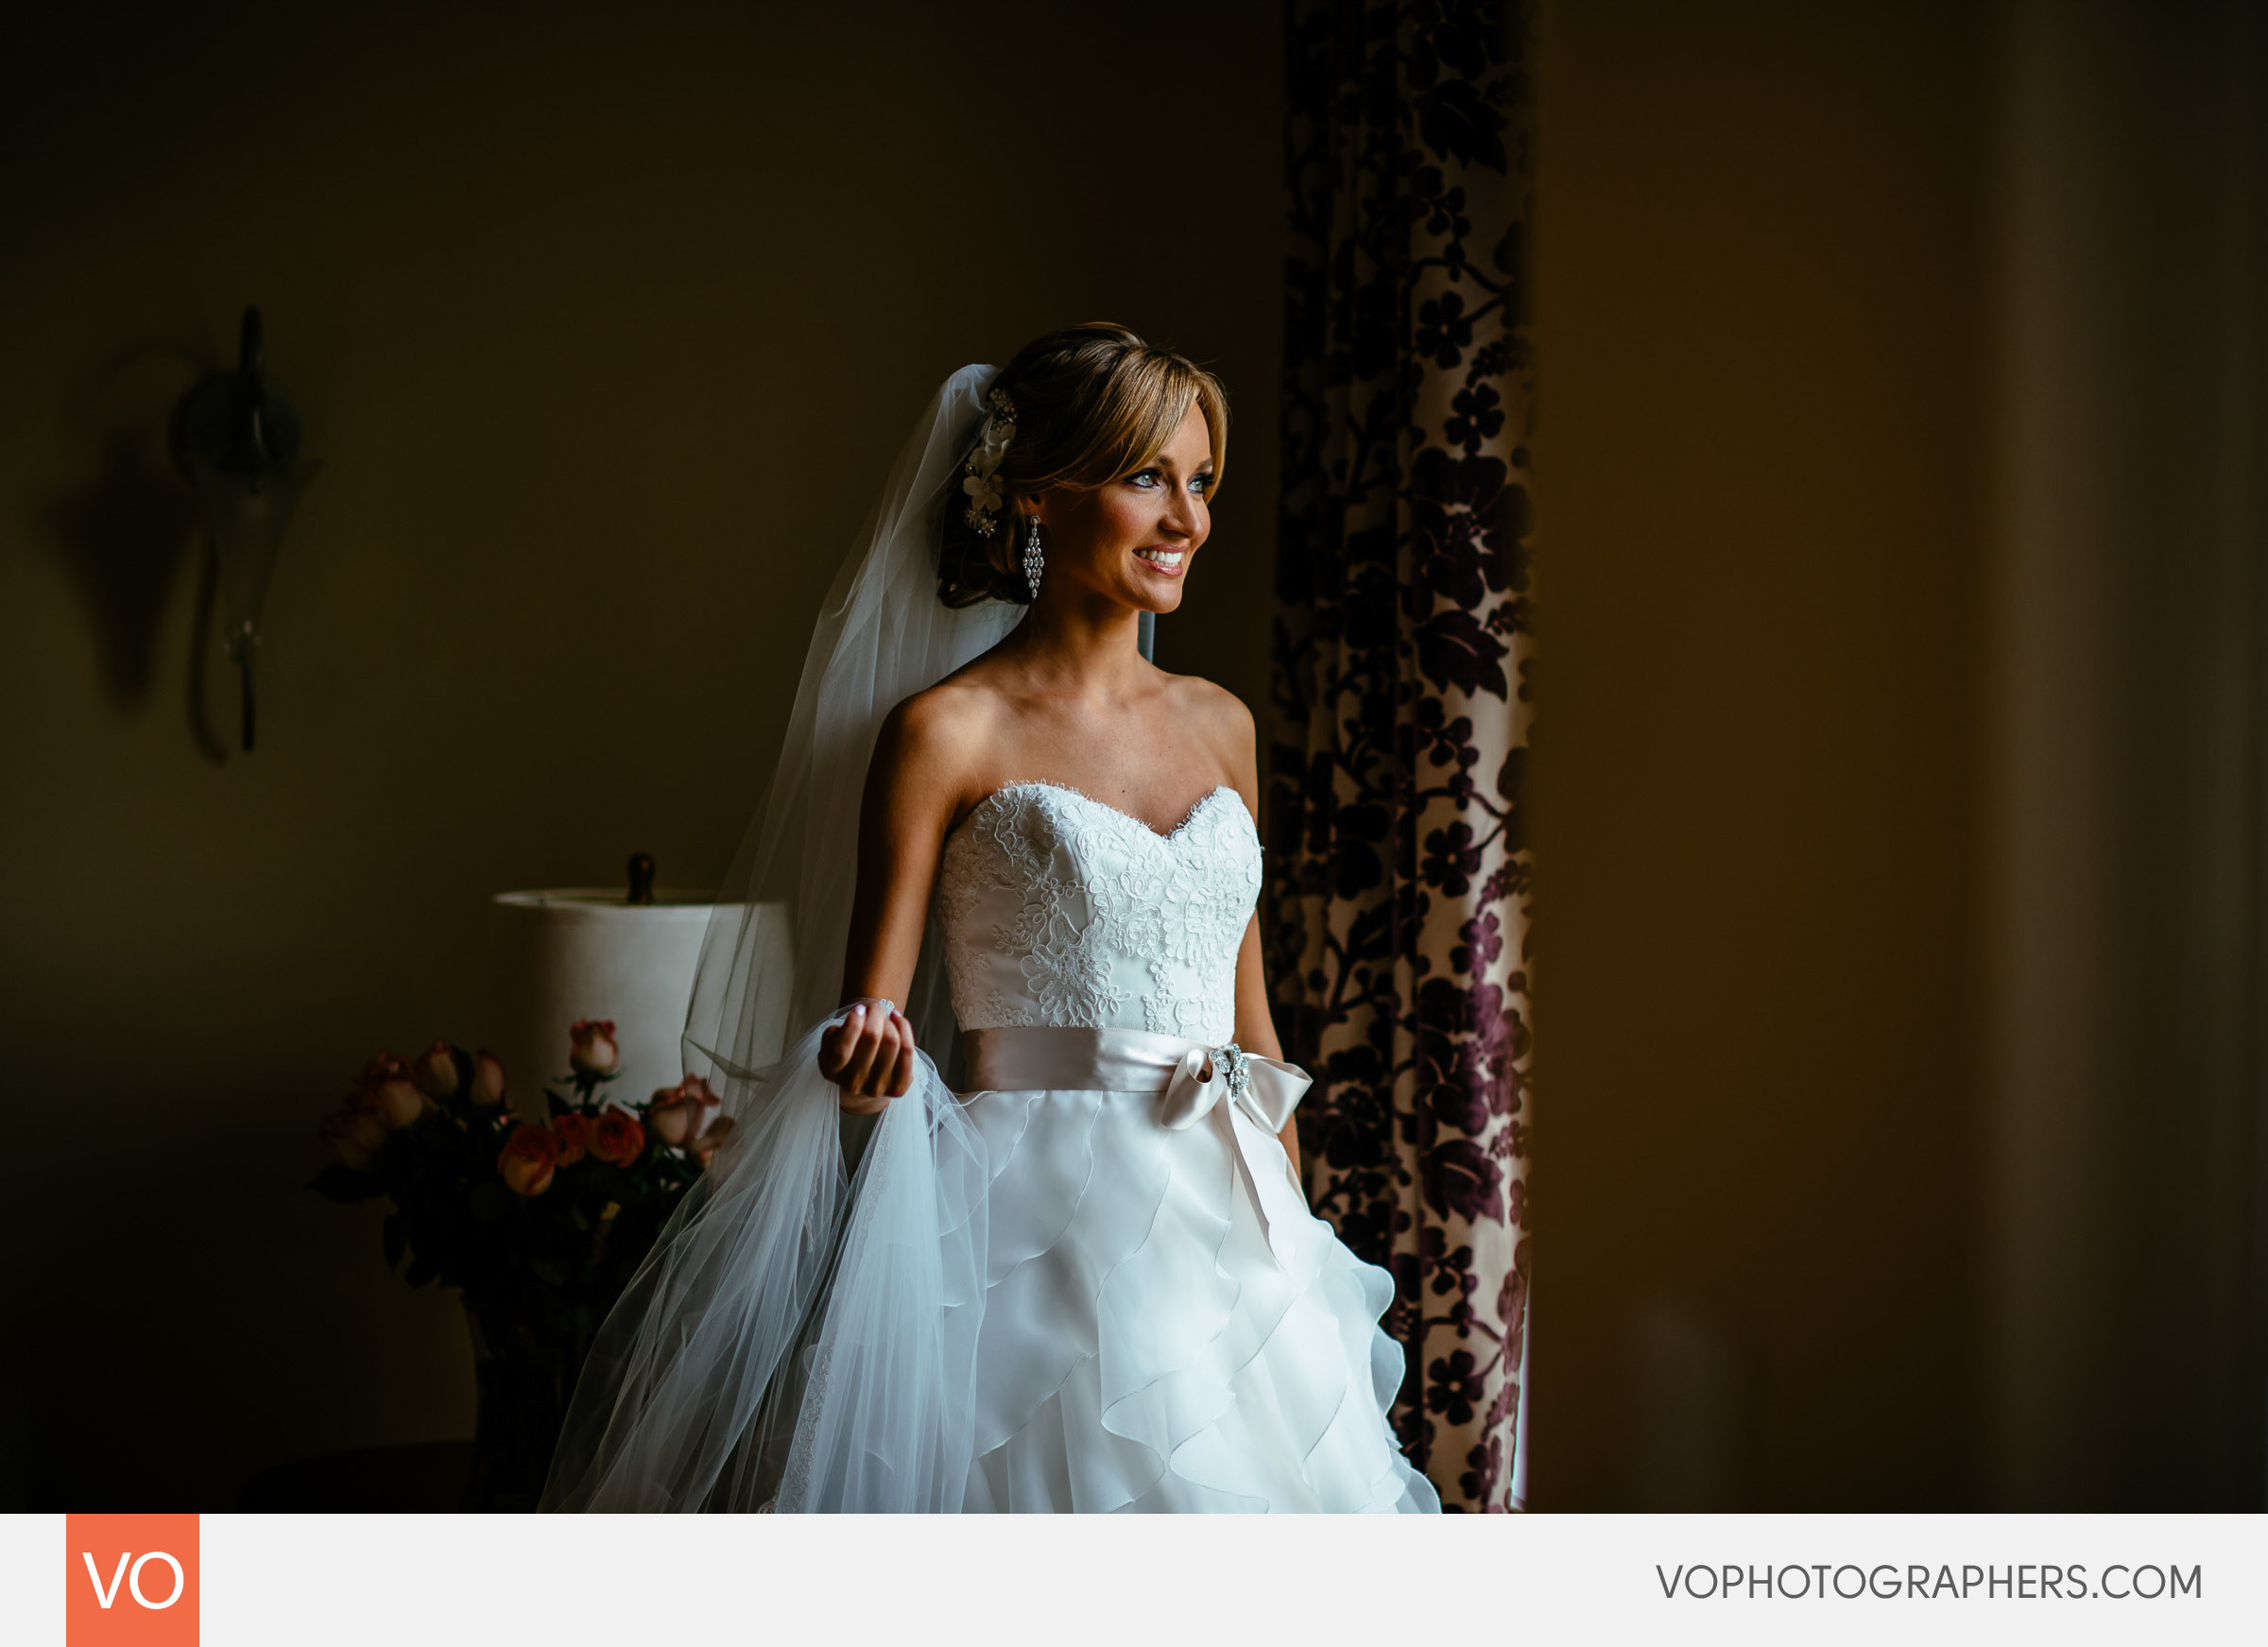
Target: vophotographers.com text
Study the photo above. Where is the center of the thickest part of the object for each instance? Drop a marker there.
(1890, 1581)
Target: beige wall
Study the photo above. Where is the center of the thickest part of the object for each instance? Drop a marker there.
(1900, 774)
(2128, 1318)
(606, 321)
(1759, 300)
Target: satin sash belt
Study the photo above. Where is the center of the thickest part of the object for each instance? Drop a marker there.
(1189, 1077)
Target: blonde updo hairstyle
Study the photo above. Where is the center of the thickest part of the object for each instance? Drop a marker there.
(1095, 403)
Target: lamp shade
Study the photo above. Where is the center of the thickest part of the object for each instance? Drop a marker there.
(581, 953)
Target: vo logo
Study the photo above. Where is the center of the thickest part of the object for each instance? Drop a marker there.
(130, 1581)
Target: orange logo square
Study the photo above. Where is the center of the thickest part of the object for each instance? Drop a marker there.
(129, 1581)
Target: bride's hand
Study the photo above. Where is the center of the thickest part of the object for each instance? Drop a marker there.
(870, 1056)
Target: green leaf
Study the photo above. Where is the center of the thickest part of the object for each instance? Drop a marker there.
(343, 1184)
(397, 1240)
(549, 1269)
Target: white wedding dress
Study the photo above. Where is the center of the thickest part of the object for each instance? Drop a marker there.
(1166, 1326)
(1086, 1281)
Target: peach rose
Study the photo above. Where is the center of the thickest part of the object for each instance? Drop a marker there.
(705, 1146)
(617, 1136)
(487, 1080)
(590, 1046)
(671, 1118)
(572, 1131)
(399, 1100)
(530, 1156)
(436, 1073)
(677, 1113)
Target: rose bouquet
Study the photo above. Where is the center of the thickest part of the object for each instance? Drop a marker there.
(539, 1224)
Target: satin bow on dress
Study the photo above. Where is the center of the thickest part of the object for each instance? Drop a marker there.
(1190, 1077)
(1264, 1088)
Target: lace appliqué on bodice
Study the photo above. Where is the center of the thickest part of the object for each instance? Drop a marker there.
(1058, 910)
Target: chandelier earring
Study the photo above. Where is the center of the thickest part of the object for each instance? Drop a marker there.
(1033, 562)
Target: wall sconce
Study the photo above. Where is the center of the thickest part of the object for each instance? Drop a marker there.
(238, 435)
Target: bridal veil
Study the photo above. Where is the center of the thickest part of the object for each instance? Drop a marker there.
(802, 1337)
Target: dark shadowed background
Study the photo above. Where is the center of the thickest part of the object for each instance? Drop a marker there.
(607, 322)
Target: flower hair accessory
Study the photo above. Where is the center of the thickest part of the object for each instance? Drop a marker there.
(982, 482)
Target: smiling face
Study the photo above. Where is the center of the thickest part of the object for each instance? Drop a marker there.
(1131, 541)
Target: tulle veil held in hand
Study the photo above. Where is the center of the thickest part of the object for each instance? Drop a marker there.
(803, 1335)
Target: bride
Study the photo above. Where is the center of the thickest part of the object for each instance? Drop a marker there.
(1033, 1240)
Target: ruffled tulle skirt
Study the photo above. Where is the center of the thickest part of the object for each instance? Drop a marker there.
(1099, 1293)
(1166, 1326)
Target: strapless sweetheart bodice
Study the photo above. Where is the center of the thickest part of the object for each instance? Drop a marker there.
(1058, 910)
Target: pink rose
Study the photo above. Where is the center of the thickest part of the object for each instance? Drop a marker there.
(617, 1137)
(675, 1113)
(487, 1080)
(572, 1132)
(704, 1147)
(399, 1101)
(530, 1156)
(590, 1046)
(436, 1073)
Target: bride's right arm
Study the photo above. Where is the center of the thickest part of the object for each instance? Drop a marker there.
(914, 787)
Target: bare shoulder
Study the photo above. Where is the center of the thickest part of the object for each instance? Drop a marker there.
(1220, 720)
(936, 739)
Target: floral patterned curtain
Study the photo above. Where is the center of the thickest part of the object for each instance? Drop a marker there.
(1400, 870)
